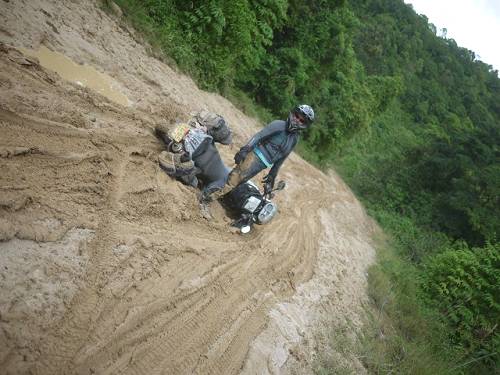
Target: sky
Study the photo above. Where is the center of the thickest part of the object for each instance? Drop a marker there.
(474, 24)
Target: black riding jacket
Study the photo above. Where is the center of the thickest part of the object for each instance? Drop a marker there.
(275, 143)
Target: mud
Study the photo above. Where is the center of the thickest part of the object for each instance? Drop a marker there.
(82, 75)
(106, 265)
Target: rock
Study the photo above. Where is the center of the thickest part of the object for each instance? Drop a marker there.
(115, 8)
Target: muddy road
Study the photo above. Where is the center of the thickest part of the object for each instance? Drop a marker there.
(106, 265)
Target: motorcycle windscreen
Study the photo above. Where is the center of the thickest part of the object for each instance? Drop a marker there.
(251, 204)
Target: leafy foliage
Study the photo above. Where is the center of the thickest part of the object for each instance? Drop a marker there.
(403, 336)
(428, 168)
(449, 176)
(280, 52)
(464, 284)
(312, 60)
(215, 40)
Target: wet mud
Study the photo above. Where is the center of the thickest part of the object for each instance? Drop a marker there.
(106, 265)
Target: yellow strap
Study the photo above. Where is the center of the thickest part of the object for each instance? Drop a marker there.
(178, 133)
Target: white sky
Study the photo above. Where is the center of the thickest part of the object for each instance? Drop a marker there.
(474, 24)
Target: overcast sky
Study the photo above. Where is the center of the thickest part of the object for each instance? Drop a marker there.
(474, 24)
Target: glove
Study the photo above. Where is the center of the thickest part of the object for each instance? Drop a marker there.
(268, 183)
(241, 155)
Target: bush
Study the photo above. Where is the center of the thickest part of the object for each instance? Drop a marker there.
(464, 284)
(401, 336)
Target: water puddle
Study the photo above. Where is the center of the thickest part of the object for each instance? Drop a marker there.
(83, 75)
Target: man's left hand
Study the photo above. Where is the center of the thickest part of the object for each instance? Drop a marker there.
(268, 183)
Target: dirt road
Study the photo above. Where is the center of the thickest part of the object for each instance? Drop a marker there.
(106, 266)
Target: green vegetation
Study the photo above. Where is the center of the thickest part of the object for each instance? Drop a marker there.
(403, 336)
(278, 52)
(436, 321)
(428, 170)
(464, 284)
(412, 122)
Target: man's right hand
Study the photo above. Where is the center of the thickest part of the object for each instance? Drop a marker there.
(241, 155)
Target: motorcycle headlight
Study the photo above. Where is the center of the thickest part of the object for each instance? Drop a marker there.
(267, 212)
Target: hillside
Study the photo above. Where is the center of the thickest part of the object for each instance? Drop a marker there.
(106, 264)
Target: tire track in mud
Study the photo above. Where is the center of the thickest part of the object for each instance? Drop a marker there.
(26, 131)
(87, 305)
(165, 322)
(68, 335)
(194, 318)
(163, 290)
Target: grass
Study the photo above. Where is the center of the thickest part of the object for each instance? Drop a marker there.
(399, 335)
(343, 352)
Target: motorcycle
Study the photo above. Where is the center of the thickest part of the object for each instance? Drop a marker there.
(252, 206)
(173, 136)
(246, 200)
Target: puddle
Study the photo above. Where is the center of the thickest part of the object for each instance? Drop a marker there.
(83, 75)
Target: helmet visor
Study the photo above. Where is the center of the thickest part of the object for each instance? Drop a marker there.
(299, 121)
(299, 118)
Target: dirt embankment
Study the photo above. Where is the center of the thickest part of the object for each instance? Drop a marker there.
(106, 265)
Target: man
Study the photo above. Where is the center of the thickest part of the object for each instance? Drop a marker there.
(267, 149)
(200, 161)
(197, 155)
(191, 155)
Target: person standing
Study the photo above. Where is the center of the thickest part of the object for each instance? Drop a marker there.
(269, 148)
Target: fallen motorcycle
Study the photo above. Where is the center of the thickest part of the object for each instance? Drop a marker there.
(252, 206)
(192, 158)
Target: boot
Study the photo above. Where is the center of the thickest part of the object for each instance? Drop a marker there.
(174, 165)
(167, 162)
(204, 201)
